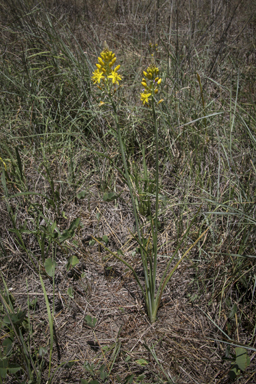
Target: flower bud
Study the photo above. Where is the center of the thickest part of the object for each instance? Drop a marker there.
(112, 62)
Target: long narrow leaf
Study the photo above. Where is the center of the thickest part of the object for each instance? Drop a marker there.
(50, 319)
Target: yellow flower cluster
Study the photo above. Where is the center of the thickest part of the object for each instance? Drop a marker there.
(105, 69)
(150, 83)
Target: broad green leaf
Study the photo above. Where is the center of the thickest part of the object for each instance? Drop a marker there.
(233, 373)
(103, 373)
(16, 318)
(81, 194)
(105, 239)
(13, 368)
(7, 344)
(75, 224)
(91, 321)
(70, 292)
(68, 233)
(129, 379)
(110, 196)
(3, 367)
(242, 359)
(50, 266)
(72, 262)
(89, 367)
(6, 366)
(142, 362)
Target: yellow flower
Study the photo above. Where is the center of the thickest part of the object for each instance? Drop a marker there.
(152, 72)
(97, 76)
(150, 81)
(107, 55)
(115, 77)
(104, 69)
(144, 97)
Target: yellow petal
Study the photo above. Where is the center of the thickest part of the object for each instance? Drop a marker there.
(159, 81)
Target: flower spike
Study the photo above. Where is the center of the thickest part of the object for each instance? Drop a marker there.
(104, 71)
(150, 81)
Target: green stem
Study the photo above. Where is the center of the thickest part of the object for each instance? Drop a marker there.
(157, 194)
(149, 289)
(126, 168)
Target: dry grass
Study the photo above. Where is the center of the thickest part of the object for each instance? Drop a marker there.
(67, 144)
